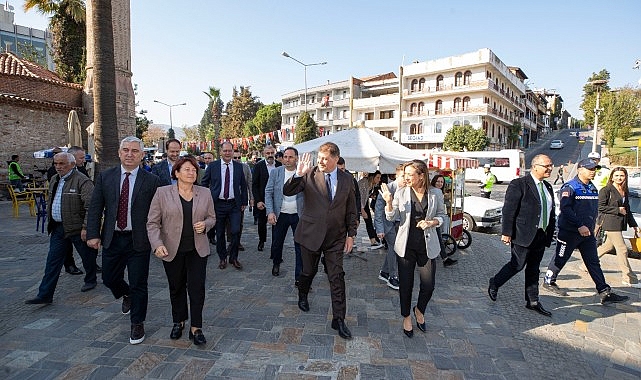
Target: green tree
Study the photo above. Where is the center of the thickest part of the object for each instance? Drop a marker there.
(142, 123)
(210, 124)
(621, 112)
(240, 109)
(28, 52)
(191, 133)
(306, 129)
(68, 26)
(465, 137)
(171, 134)
(589, 94)
(513, 134)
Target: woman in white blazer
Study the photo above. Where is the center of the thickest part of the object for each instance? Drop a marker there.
(177, 224)
(420, 211)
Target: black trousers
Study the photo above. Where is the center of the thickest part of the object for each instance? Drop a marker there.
(186, 275)
(335, 275)
(262, 225)
(528, 258)
(427, 275)
(369, 223)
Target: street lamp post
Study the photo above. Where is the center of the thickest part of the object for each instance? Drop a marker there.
(305, 66)
(171, 122)
(597, 83)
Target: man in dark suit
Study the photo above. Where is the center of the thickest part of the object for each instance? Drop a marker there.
(123, 195)
(259, 181)
(226, 181)
(528, 226)
(163, 169)
(327, 226)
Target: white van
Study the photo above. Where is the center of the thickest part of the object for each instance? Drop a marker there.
(506, 164)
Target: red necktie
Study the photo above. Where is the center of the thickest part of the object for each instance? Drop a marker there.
(123, 204)
(226, 191)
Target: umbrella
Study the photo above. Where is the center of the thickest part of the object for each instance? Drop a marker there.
(364, 150)
(73, 123)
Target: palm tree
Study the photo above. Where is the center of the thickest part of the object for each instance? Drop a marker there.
(214, 98)
(74, 8)
(104, 71)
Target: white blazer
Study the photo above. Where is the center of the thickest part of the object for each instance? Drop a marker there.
(402, 207)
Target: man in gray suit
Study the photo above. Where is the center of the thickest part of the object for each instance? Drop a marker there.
(327, 226)
(282, 211)
(123, 195)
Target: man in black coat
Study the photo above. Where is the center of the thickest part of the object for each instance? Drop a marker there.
(163, 169)
(259, 183)
(528, 227)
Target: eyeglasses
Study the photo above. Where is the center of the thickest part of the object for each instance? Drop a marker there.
(549, 166)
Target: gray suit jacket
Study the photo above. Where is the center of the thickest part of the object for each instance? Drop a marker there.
(104, 201)
(274, 193)
(381, 224)
(402, 207)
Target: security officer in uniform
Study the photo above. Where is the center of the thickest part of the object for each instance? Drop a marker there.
(487, 183)
(602, 175)
(579, 205)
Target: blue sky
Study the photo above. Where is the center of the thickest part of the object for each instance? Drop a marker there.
(180, 48)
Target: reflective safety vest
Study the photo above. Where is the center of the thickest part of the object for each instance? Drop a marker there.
(488, 182)
(15, 172)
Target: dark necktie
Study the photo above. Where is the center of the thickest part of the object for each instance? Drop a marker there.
(226, 191)
(123, 204)
(328, 183)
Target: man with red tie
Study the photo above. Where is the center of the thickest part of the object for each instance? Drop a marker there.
(226, 181)
(123, 195)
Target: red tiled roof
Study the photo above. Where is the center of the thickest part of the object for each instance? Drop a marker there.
(10, 98)
(10, 64)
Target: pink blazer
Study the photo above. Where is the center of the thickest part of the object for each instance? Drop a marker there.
(165, 219)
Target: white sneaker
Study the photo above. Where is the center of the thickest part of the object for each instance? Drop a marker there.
(635, 285)
(376, 246)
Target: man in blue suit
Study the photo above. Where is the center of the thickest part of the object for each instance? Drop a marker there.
(163, 169)
(282, 211)
(226, 181)
(123, 195)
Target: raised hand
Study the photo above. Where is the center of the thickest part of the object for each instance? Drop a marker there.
(304, 164)
(387, 196)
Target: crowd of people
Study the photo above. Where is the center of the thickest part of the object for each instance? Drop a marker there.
(183, 205)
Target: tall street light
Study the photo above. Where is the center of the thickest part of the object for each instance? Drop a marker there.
(171, 123)
(598, 84)
(305, 66)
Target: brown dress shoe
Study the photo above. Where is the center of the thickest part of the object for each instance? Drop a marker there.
(237, 264)
(223, 264)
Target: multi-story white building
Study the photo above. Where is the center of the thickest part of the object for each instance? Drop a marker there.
(14, 38)
(475, 88)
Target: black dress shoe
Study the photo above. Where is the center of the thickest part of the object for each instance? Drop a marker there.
(539, 309)
(261, 246)
(240, 247)
(343, 331)
(177, 330)
(198, 337)
(421, 326)
(303, 304)
(72, 269)
(88, 286)
(38, 301)
(449, 262)
(223, 264)
(276, 270)
(492, 290)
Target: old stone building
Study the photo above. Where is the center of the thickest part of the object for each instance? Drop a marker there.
(34, 107)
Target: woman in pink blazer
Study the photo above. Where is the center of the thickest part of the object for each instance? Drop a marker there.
(179, 218)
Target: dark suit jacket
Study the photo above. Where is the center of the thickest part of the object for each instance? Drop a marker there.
(214, 182)
(259, 180)
(161, 169)
(609, 202)
(522, 211)
(324, 224)
(104, 201)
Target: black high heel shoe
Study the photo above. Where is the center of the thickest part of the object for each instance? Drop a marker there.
(421, 326)
(408, 333)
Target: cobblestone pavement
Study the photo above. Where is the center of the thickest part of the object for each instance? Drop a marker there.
(256, 331)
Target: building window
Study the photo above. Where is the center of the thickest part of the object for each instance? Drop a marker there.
(438, 128)
(345, 94)
(457, 104)
(421, 108)
(466, 103)
(421, 84)
(412, 129)
(414, 85)
(419, 129)
(386, 114)
(467, 77)
(438, 107)
(369, 116)
(344, 114)
(488, 75)
(466, 122)
(458, 78)
(439, 83)
(413, 109)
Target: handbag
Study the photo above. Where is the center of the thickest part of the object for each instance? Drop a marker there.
(599, 224)
(635, 242)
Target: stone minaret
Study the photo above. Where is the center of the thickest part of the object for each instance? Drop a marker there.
(125, 102)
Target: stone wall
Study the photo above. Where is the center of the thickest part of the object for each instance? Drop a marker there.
(36, 89)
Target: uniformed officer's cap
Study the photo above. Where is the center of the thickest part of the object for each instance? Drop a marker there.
(588, 164)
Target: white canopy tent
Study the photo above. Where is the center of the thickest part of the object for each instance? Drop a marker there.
(364, 150)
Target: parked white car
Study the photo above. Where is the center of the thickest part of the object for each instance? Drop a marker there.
(556, 144)
(480, 212)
